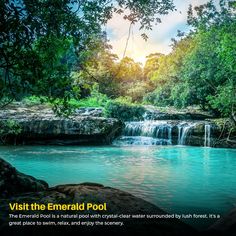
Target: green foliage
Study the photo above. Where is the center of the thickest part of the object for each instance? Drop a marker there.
(130, 78)
(129, 71)
(42, 42)
(56, 52)
(9, 128)
(137, 90)
(124, 100)
(224, 99)
(152, 64)
(100, 69)
(115, 79)
(201, 68)
(159, 97)
(123, 109)
(167, 77)
(96, 99)
(34, 100)
(86, 102)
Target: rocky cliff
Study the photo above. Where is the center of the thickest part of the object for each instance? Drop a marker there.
(41, 126)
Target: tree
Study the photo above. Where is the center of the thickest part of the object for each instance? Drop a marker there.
(129, 75)
(152, 64)
(100, 69)
(25, 24)
(210, 67)
(167, 77)
(200, 70)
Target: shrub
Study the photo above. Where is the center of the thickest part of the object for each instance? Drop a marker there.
(34, 100)
(124, 110)
(159, 97)
(96, 99)
(9, 128)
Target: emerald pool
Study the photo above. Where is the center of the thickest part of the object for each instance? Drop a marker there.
(178, 179)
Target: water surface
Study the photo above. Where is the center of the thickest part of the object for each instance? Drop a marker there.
(176, 178)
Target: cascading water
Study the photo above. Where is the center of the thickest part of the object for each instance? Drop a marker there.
(158, 132)
(155, 133)
(155, 129)
(207, 135)
(184, 130)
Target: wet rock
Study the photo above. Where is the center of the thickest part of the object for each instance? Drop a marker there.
(13, 182)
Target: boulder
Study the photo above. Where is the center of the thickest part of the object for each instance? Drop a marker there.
(19, 188)
(226, 225)
(13, 182)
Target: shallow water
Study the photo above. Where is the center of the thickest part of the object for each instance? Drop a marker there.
(178, 179)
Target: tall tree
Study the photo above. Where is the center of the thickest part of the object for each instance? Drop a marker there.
(41, 33)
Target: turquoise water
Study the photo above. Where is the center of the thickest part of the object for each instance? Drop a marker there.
(177, 179)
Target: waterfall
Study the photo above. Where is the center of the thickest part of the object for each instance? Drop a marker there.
(179, 134)
(156, 132)
(183, 132)
(207, 136)
(147, 133)
(155, 129)
(170, 134)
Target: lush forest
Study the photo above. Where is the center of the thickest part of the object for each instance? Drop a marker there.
(57, 52)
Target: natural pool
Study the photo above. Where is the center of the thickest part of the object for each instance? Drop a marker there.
(179, 179)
